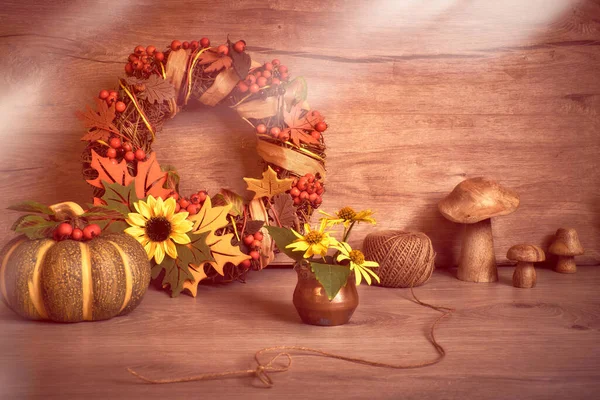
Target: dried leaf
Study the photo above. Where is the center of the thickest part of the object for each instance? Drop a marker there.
(258, 109)
(225, 197)
(241, 61)
(253, 226)
(172, 177)
(270, 185)
(283, 211)
(98, 122)
(109, 172)
(34, 226)
(221, 87)
(298, 121)
(214, 60)
(150, 179)
(158, 90)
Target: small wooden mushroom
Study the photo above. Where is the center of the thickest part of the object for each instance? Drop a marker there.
(525, 255)
(473, 202)
(566, 246)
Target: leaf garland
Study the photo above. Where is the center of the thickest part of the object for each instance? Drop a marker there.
(100, 122)
(298, 121)
(270, 185)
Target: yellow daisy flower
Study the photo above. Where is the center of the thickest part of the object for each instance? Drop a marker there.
(157, 227)
(313, 242)
(358, 264)
(347, 216)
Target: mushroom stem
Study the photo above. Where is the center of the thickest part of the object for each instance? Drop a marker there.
(524, 275)
(566, 265)
(477, 258)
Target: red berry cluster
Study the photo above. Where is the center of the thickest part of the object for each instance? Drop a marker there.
(144, 61)
(320, 127)
(65, 230)
(271, 73)
(111, 97)
(123, 150)
(307, 189)
(193, 45)
(254, 242)
(193, 204)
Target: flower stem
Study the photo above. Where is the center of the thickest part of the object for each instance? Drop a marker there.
(347, 232)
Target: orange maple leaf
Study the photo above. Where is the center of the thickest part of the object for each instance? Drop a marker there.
(109, 172)
(298, 122)
(217, 61)
(150, 179)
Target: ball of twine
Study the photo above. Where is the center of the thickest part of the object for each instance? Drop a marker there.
(405, 258)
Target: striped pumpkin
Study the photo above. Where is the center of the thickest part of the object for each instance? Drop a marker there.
(70, 281)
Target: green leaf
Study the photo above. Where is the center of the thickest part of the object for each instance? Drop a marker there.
(225, 197)
(34, 226)
(99, 213)
(197, 252)
(173, 179)
(176, 273)
(31, 206)
(115, 226)
(120, 198)
(282, 238)
(295, 92)
(331, 277)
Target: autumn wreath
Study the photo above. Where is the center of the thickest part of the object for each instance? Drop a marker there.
(201, 237)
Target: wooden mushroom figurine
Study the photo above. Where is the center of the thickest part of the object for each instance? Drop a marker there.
(566, 246)
(525, 255)
(474, 202)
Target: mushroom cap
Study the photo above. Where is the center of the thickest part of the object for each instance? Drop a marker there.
(566, 243)
(526, 252)
(476, 199)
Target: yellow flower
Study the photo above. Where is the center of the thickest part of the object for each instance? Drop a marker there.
(358, 264)
(347, 216)
(313, 241)
(157, 227)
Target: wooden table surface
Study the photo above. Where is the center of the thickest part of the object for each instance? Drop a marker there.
(502, 342)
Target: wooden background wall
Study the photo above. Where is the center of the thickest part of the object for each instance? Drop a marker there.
(418, 95)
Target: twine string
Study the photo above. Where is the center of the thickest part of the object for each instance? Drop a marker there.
(262, 371)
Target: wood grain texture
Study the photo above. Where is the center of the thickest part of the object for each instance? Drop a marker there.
(502, 342)
(418, 97)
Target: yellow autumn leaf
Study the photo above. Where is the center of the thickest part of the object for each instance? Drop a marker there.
(223, 252)
(270, 185)
(198, 274)
(210, 218)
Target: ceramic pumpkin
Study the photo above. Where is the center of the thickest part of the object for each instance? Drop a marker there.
(71, 281)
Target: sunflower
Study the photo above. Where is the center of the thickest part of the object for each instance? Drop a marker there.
(313, 241)
(157, 227)
(358, 264)
(347, 216)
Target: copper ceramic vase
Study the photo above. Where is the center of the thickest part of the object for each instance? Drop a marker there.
(314, 307)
